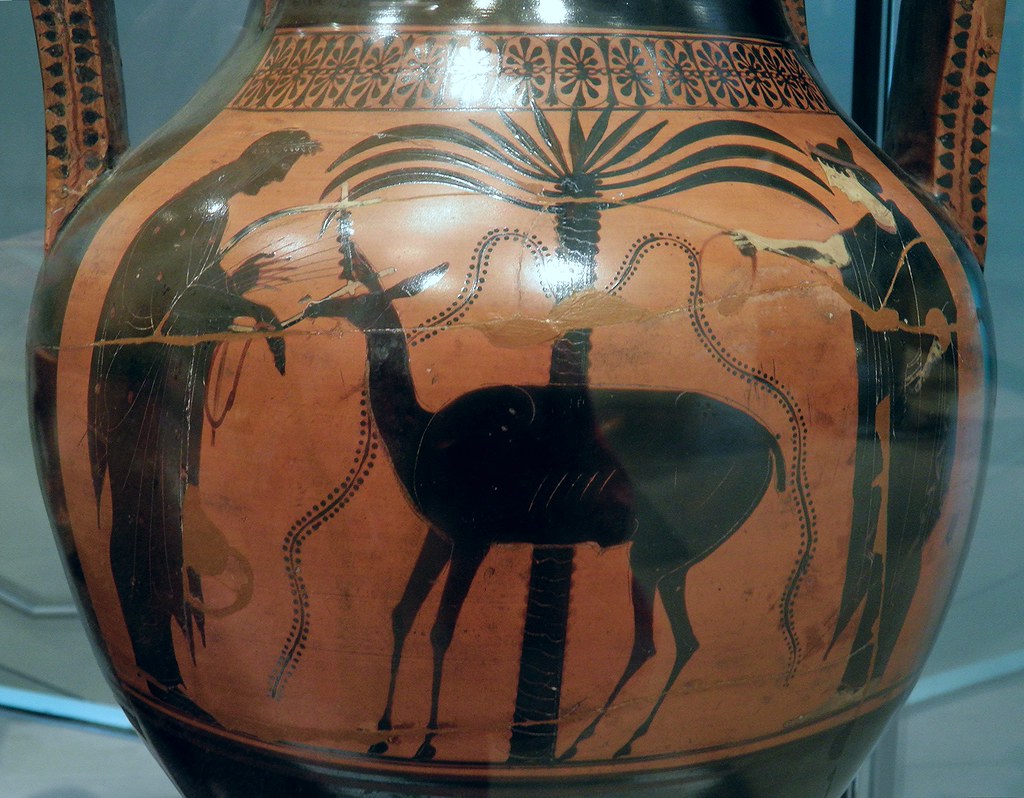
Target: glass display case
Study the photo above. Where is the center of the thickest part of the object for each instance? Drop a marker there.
(60, 731)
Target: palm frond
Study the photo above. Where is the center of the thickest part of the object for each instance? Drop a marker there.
(708, 155)
(442, 134)
(741, 127)
(577, 141)
(731, 174)
(547, 133)
(612, 139)
(530, 143)
(596, 134)
(532, 162)
(702, 132)
(441, 177)
(415, 154)
(634, 146)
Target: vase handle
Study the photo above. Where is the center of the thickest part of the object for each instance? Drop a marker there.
(797, 16)
(939, 119)
(84, 100)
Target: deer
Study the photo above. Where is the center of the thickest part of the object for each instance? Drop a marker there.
(674, 474)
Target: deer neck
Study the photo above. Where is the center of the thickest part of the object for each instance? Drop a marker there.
(392, 392)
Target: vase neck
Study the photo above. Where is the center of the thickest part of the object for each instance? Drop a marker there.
(758, 18)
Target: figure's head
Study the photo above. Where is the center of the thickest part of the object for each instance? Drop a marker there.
(269, 159)
(843, 173)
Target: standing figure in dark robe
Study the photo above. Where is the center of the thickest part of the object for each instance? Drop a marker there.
(904, 335)
(169, 300)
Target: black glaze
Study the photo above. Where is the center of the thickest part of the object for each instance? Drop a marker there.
(759, 18)
(206, 765)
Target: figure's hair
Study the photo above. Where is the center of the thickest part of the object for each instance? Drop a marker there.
(280, 144)
(840, 157)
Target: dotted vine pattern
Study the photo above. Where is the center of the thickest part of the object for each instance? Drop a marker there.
(769, 384)
(627, 269)
(367, 450)
(323, 69)
(303, 529)
(476, 278)
(965, 108)
(368, 445)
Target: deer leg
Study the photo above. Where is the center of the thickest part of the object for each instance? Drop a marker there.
(464, 565)
(642, 590)
(672, 589)
(434, 555)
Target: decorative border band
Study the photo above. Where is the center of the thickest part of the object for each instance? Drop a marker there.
(366, 71)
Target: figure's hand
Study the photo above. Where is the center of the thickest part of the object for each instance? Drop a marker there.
(312, 310)
(332, 304)
(744, 243)
(275, 343)
(245, 277)
(277, 350)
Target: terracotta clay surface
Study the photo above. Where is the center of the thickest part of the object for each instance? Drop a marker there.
(514, 408)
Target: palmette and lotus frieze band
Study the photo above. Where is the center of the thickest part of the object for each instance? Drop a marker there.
(424, 69)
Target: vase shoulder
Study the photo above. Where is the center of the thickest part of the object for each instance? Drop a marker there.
(507, 68)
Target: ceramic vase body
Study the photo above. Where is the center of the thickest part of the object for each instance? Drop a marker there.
(511, 406)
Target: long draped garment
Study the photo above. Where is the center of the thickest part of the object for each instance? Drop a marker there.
(146, 407)
(906, 409)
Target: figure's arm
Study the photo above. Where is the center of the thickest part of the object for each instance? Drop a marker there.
(266, 321)
(831, 252)
(834, 253)
(204, 309)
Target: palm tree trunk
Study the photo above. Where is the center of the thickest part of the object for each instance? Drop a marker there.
(535, 725)
(539, 692)
(578, 227)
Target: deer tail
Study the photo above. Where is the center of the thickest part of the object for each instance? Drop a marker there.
(780, 465)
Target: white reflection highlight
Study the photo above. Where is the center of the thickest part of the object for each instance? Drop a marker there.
(562, 276)
(471, 71)
(552, 12)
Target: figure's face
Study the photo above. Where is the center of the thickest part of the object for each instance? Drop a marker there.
(271, 173)
(844, 182)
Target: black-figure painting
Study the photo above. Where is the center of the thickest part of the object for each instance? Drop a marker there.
(554, 466)
(604, 421)
(166, 312)
(904, 332)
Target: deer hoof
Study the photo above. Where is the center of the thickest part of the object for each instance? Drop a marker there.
(626, 750)
(426, 751)
(378, 749)
(569, 753)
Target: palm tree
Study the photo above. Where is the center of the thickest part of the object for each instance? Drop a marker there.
(609, 166)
